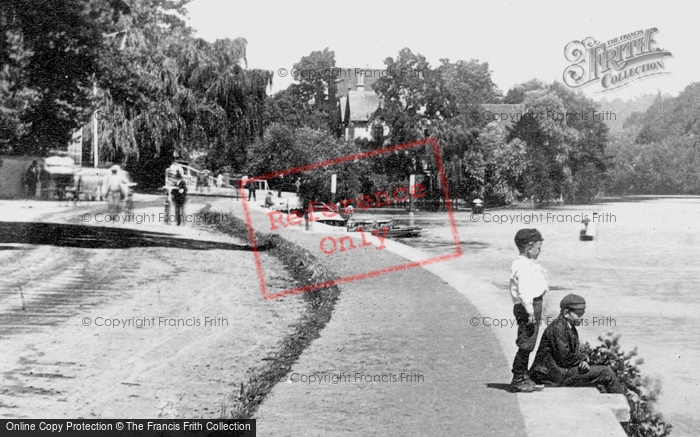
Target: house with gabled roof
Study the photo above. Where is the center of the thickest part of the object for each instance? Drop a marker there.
(357, 109)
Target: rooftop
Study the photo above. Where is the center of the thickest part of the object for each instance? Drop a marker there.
(363, 104)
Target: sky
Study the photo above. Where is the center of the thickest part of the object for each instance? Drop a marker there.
(519, 40)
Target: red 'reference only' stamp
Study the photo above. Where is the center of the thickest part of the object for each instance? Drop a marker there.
(329, 245)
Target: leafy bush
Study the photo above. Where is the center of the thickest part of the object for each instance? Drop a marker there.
(641, 392)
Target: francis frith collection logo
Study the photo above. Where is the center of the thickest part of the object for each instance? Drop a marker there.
(615, 63)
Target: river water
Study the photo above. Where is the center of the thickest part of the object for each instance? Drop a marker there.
(640, 277)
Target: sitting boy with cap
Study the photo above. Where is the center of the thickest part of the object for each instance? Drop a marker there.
(560, 362)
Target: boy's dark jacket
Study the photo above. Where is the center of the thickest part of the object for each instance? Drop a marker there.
(177, 195)
(558, 351)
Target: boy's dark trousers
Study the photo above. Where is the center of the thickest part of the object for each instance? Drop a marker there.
(596, 375)
(527, 335)
(179, 212)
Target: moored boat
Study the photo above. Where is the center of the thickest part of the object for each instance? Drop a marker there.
(388, 228)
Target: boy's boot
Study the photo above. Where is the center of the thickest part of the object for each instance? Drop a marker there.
(523, 383)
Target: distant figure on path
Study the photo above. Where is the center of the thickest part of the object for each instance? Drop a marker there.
(99, 191)
(31, 179)
(268, 200)
(560, 362)
(220, 180)
(179, 198)
(251, 190)
(298, 185)
(200, 182)
(528, 284)
(203, 181)
(116, 185)
(44, 181)
(307, 210)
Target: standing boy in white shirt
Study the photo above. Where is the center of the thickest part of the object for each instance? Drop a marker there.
(528, 284)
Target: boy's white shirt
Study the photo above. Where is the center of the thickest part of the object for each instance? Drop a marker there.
(528, 280)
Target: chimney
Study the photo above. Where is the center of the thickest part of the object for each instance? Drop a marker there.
(360, 83)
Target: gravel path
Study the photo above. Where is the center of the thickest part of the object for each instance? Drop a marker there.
(409, 322)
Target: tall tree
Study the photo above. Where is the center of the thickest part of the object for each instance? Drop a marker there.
(288, 107)
(517, 94)
(504, 164)
(318, 87)
(480, 163)
(565, 136)
(420, 101)
(282, 148)
(587, 160)
(464, 87)
(658, 151)
(549, 142)
(179, 94)
(140, 80)
(48, 57)
(17, 98)
(669, 116)
(407, 96)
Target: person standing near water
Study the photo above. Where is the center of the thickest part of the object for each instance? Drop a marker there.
(251, 191)
(31, 178)
(179, 198)
(528, 284)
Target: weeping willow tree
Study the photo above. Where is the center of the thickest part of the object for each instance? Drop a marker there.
(167, 94)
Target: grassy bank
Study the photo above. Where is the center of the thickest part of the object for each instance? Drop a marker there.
(304, 270)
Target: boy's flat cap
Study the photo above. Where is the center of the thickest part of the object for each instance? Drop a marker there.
(573, 301)
(526, 236)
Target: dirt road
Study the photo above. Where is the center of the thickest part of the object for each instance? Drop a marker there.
(137, 321)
